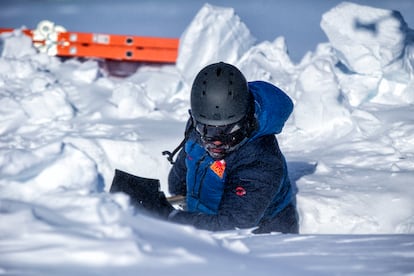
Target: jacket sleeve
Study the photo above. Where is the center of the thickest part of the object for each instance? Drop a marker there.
(252, 184)
(177, 176)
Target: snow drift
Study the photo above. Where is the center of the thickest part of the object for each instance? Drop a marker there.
(65, 126)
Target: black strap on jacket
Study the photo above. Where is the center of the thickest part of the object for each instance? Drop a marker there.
(170, 155)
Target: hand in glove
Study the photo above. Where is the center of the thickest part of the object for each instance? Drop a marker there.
(164, 208)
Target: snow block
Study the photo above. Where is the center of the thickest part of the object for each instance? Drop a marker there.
(375, 47)
(269, 61)
(366, 39)
(16, 45)
(47, 106)
(215, 34)
(319, 107)
(131, 101)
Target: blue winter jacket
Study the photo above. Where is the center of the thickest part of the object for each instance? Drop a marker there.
(250, 187)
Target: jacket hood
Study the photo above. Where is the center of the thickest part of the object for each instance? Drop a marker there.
(272, 107)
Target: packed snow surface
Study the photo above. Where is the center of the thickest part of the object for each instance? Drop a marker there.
(66, 125)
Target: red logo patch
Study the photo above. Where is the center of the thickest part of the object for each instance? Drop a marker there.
(240, 191)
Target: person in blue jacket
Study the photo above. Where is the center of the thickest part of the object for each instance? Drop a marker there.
(231, 168)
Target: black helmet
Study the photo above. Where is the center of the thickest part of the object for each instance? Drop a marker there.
(220, 95)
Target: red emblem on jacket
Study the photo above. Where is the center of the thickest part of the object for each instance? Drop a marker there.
(240, 191)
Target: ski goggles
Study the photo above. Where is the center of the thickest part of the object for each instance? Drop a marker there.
(229, 135)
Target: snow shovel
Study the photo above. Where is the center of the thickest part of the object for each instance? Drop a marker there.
(144, 192)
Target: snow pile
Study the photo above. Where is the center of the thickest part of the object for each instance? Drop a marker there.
(65, 126)
(377, 47)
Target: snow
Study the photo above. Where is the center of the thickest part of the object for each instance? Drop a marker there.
(66, 125)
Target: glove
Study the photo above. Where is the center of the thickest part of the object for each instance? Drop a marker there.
(164, 208)
(144, 193)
